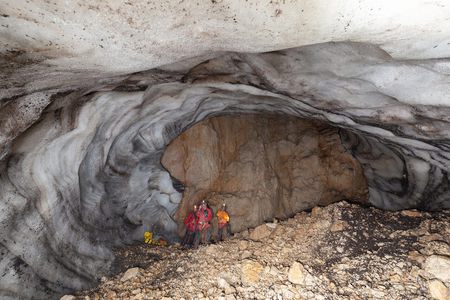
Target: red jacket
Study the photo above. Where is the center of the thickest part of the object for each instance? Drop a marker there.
(191, 221)
(203, 218)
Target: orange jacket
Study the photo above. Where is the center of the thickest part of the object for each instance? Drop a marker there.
(223, 217)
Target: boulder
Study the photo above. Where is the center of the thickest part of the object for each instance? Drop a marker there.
(296, 273)
(438, 290)
(438, 267)
(251, 272)
(243, 245)
(261, 232)
(129, 274)
(222, 283)
(412, 213)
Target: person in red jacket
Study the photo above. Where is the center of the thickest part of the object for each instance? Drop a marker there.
(204, 216)
(191, 228)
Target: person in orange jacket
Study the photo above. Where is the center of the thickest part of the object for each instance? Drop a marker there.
(191, 228)
(223, 220)
(204, 216)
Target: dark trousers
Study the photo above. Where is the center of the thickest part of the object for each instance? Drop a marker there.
(202, 237)
(189, 238)
(223, 232)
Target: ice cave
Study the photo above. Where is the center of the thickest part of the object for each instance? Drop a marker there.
(274, 107)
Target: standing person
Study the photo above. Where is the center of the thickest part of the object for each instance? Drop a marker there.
(223, 219)
(191, 227)
(204, 216)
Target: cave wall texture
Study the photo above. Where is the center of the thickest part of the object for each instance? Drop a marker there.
(262, 167)
(92, 94)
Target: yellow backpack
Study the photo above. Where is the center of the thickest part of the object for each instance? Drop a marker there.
(148, 237)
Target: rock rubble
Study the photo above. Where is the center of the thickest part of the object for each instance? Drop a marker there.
(342, 251)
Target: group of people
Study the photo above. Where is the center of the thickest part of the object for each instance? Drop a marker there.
(198, 225)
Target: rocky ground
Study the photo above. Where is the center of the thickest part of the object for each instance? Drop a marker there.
(342, 251)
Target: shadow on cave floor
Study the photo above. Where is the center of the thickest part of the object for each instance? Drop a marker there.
(381, 233)
(132, 256)
(341, 251)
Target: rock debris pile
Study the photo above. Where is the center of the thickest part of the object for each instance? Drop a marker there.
(342, 251)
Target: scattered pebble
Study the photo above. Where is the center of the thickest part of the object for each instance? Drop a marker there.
(342, 251)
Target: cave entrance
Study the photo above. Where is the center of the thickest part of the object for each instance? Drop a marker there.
(262, 166)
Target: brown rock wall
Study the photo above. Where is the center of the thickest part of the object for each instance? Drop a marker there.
(263, 167)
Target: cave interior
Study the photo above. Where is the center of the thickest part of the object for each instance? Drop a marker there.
(95, 168)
